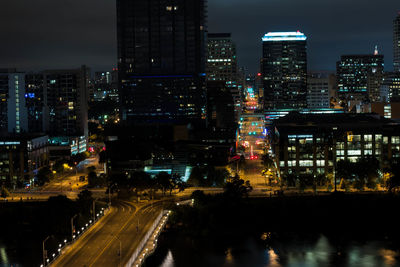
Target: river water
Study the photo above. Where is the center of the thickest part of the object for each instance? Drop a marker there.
(305, 250)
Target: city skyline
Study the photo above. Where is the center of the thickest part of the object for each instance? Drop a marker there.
(76, 33)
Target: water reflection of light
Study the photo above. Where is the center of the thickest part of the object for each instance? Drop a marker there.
(273, 259)
(3, 256)
(322, 251)
(359, 256)
(389, 256)
(229, 257)
(168, 261)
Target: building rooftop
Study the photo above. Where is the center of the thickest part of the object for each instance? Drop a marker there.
(348, 121)
(284, 36)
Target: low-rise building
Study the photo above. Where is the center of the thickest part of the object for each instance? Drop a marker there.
(21, 156)
(66, 146)
(313, 143)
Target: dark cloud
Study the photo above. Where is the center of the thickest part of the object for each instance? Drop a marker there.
(59, 34)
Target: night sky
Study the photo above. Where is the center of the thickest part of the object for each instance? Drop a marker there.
(48, 34)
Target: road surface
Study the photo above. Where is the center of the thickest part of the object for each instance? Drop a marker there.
(100, 246)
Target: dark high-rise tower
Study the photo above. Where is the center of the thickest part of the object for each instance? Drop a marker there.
(284, 70)
(359, 77)
(161, 60)
(396, 43)
(222, 65)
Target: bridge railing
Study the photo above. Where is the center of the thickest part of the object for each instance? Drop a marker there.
(143, 243)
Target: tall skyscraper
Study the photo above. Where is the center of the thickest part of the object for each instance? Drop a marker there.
(222, 65)
(13, 113)
(396, 43)
(161, 60)
(284, 70)
(359, 77)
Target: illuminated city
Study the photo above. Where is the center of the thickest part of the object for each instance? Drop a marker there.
(181, 133)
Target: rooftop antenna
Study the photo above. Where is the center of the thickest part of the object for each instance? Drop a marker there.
(376, 52)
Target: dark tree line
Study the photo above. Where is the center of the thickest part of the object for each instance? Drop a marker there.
(141, 183)
(208, 177)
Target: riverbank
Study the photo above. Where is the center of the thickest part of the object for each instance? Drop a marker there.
(218, 229)
(330, 213)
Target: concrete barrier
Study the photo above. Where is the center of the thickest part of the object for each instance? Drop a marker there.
(141, 251)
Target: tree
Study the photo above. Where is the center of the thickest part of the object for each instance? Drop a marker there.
(44, 175)
(242, 162)
(141, 181)
(367, 169)
(305, 180)
(343, 184)
(393, 181)
(222, 175)
(329, 181)
(267, 161)
(4, 193)
(93, 180)
(102, 157)
(196, 177)
(85, 201)
(216, 177)
(60, 209)
(199, 197)
(290, 179)
(164, 181)
(344, 169)
(321, 180)
(237, 188)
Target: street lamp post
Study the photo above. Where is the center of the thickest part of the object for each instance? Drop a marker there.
(44, 251)
(72, 227)
(109, 195)
(94, 210)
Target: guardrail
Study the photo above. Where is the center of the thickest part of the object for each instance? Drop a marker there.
(148, 235)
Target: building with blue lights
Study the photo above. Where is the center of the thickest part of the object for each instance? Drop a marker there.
(284, 70)
(161, 60)
(13, 112)
(35, 101)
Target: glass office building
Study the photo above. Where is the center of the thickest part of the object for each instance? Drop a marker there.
(284, 70)
(161, 60)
